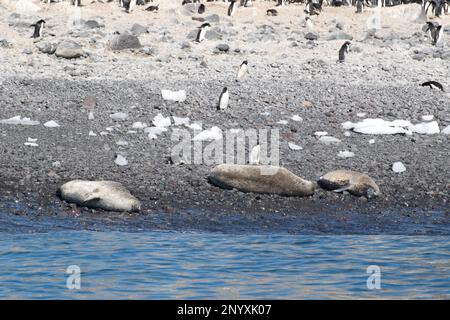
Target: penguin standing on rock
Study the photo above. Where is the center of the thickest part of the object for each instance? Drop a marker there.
(223, 100)
(344, 51)
(232, 8)
(202, 32)
(38, 28)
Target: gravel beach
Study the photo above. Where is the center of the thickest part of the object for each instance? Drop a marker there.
(293, 85)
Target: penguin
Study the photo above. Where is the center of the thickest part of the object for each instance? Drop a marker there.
(38, 27)
(343, 51)
(140, 2)
(130, 6)
(248, 3)
(438, 34)
(242, 70)
(272, 12)
(153, 8)
(308, 23)
(202, 32)
(232, 8)
(223, 100)
(430, 28)
(201, 9)
(76, 3)
(433, 85)
(359, 6)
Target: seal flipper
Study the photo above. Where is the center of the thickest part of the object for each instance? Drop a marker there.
(344, 188)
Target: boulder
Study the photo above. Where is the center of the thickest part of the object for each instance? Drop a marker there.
(124, 41)
(261, 179)
(69, 49)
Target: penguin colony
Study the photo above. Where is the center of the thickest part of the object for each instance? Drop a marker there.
(430, 8)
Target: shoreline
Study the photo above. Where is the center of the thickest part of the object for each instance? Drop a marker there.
(294, 85)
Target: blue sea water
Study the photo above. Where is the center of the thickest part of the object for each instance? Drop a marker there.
(198, 265)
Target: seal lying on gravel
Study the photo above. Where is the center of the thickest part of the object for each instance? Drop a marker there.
(261, 179)
(106, 195)
(356, 183)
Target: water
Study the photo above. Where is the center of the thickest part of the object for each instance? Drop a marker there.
(170, 265)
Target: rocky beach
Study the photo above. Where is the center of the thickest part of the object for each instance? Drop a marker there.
(89, 89)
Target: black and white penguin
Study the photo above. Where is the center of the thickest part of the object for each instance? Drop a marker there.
(430, 28)
(153, 8)
(433, 85)
(232, 8)
(38, 28)
(272, 12)
(437, 35)
(344, 51)
(242, 70)
(308, 23)
(202, 32)
(201, 9)
(312, 8)
(223, 100)
(76, 3)
(140, 2)
(359, 6)
(129, 6)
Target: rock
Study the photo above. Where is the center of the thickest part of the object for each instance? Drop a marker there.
(119, 116)
(345, 154)
(398, 167)
(294, 146)
(5, 44)
(124, 41)
(120, 160)
(261, 179)
(311, 36)
(212, 18)
(51, 124)
(149, 51)
(92, 24)
(177, 96)
(138, 29)
(418, 56)
(222, 47)
(339, 35)
(328, 140)
(105, 195)
(185, 45)
(213, 34)
(27, 51)
(69, 49)
(446, 130)
(47, 47)
(90, 102)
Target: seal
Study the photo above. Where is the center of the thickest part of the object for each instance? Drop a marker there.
(261, 179)
(356, 183)
(106, 195)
